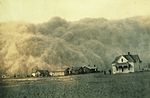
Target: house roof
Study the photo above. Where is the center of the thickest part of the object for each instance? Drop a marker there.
(130, 58)
(136, 58)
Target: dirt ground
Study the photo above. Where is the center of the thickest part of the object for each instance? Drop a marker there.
(133, 85)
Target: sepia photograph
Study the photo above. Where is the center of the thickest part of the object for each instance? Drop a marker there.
(74, 49)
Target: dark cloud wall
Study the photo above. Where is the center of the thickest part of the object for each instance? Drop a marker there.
(58, 43)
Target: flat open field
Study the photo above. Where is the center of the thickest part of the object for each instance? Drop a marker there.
(133, 85)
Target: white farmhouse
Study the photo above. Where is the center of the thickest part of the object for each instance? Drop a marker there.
(126, 64)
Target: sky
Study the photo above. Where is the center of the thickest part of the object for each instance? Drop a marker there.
(42, 10)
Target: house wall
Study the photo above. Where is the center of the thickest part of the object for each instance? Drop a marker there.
(125, 70)
(33, 74)
(138, 66)
(132, 67)
(58, 73)
(114, 70)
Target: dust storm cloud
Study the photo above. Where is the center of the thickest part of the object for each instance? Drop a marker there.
(59, 43)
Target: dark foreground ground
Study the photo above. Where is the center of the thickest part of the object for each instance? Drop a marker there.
(135, 85)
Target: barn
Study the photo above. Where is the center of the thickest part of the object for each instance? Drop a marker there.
(126, 64)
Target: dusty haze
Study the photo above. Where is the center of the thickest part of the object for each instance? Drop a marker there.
(57, 44)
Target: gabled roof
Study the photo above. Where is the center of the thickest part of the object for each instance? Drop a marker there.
(136, 58)
(129, 57)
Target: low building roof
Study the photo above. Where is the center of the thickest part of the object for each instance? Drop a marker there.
(76, 68)
(42, 71)
(90, 67)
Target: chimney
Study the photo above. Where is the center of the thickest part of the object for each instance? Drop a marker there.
(129, 53)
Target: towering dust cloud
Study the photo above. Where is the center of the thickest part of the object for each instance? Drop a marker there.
(58, 43)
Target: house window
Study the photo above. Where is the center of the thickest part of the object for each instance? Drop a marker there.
(122, 60)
